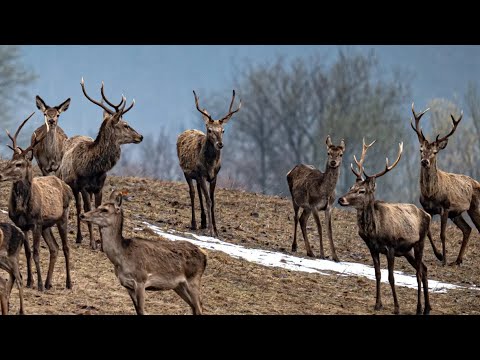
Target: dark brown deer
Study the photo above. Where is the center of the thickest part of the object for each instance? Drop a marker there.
(314, 191)
(200, 159)
(37, 204)
(49, 152)
(389, 229)
(443, 193)
(11, 240)
(143, 264)
(86, 161)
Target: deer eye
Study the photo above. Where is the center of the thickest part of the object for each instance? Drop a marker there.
(125, 126)
(361, 191)
(341, 155)
(18, 165)
(209, 131)
(223, 130)
(104, 210)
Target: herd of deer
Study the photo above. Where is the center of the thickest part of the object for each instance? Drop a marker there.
(78, 166)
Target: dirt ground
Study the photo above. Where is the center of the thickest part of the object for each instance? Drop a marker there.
(232, 286)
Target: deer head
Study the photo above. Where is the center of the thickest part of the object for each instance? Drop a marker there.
(51, 114)
(215, 128)
(113, 119)
(19, 167)
(105, 214)
(334, 153)
(429, 150)
(362, 192)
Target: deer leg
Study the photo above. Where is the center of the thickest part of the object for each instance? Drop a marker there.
(63, 230)
(443, 229)
(295, 224)
(140, 294)
(413, 261)
(87, 206)
(319, 228)
(203, 224)
(133, 296)
(203, 183)
(4, 304)
(98, 202)
(19, 282)
(28, 256)
(466, 230)
(435, 250)
(78, 206)
(212, 199)
(378, 277)
(53, 248)
(391, 279)
(192, 200)
(303, 225)
(184, 292)
(328, 220)
(36, 255)
(194, 286)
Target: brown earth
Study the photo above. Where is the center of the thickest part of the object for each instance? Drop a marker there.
(232, 286)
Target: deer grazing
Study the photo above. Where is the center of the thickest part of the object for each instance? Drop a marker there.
(390, 229)
(49, 152)
(11, 240)
(143, 264)
(443, 193)
(313, 191)
(86, 161)
(200, 159)
(37, 204)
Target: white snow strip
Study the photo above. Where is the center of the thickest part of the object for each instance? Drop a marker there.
(277, 259)
(3, 211)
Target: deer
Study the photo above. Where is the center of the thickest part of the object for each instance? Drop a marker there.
(49, 152)
(11, 240)
(446, 194)
(144, 264)
(314, 191)
(391, 229)
(199, 155)
(86, 161)
(37, 204)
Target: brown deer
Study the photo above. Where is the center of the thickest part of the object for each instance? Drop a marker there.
(143, 264)
(86, 161)
(49, 152)
(37, 204)
(389, 229)
(200, 159)
(11, 240)
(443, 193)
(313, 191)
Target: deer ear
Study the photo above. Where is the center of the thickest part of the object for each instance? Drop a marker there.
(329, 141)
(29, 155)
(342, 145)
(63, 106)
(443, 144)
(118, 201)
(40, 104)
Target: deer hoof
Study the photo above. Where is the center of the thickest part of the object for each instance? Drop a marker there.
(48, 286)
(40, 287)
(456, 262)
(193, 227)
(378, 307)
(294, 248)
(30, 284)
(396, 311)
(426, 311)
(336, 259)
(310, 254)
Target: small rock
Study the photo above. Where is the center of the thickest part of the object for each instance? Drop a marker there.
(254, 214)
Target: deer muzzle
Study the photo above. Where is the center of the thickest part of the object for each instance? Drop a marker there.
(343, 201)
(425, 163)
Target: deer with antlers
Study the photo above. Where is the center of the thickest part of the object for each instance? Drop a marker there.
(389, 229)
(37, 204)
(49, 152)
(443, 193)
(86, 161)
(313, 190)
(200, 159)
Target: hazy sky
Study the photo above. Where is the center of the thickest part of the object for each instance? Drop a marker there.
(161, 78)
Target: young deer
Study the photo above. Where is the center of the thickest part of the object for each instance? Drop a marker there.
(49, 152)
(142, 264)
(443, 193)
(314, 191)
(86, 161)
(390, 229)
(37, 204)
(200, 159)
(11, 240)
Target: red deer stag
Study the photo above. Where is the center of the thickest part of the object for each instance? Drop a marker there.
(200, 159)
(11, 240)
(443, 193)
(86, 161)
(313, 191)
(49, 152)
(390, 229)
(143, 264)
(37, 204)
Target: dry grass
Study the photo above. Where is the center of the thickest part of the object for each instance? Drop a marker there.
(232, 286)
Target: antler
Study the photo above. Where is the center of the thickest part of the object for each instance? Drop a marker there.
(108, 102)
(362, 159)
(14, 138)
(128, 109)
(230, 112)
(36, 141)
(417, 117)
(82, 83)
(455, 124)
(387, 167)
(202, 111)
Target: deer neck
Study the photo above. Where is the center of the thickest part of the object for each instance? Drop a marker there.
(50, 142)
(366, 219)
(210, 157)
(429, 179)
(113, 240)
(21, 194)
(330, 178)
(105, 150)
